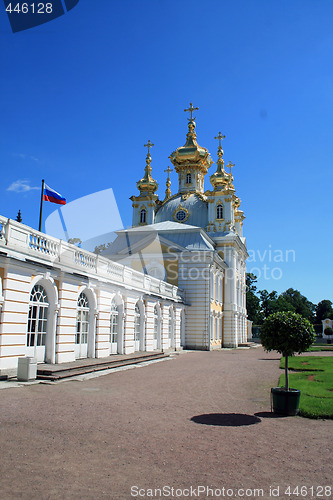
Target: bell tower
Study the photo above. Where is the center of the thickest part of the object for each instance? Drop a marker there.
(224, 214)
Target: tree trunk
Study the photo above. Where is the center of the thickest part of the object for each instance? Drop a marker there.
(286, 373)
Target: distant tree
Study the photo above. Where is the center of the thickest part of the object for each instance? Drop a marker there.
(19, 216)
(75, 241)
(299, 303)
(100, 248)
(267, 302)
(324, 310)
(282, 304)
(252, 300)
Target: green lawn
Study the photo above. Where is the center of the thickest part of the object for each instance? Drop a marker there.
(314, 378)
(316, 348)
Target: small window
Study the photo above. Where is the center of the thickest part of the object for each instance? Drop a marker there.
(181, 215)
(143, 216)
(188, 178)
(219, 212)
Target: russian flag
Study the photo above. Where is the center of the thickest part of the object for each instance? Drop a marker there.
(52, 196)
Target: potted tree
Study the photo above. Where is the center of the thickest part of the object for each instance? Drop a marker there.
(287, 333)
(328, 332)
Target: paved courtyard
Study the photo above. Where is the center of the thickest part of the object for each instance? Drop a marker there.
(200, 419)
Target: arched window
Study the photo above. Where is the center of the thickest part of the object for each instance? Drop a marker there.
(37, 319)
(114, 323)
(155, 323)
(143, 216)
(188, 178)
(82, 320)
(137, 323)
(219, 211)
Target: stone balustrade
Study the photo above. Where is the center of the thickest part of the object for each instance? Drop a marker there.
(17, 237)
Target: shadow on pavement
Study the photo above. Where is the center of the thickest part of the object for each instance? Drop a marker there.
(269, 414)
(226, 419)
(270, 359)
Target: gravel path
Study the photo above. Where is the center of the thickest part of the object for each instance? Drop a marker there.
(201, 419)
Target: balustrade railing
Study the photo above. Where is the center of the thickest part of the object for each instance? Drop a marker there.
(19, 237)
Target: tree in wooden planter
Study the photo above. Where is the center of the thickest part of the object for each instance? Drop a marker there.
(287, 333)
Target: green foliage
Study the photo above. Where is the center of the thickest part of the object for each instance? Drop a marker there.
(286, 333)
(324, 310)
(315, 384)
(328, 331)
(267, 302)
(252, 301)
(300, 304)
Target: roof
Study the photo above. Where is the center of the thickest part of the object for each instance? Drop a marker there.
(160, 226)
(186, 237)
(196, 207)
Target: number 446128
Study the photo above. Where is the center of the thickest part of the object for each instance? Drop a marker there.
(32, 8)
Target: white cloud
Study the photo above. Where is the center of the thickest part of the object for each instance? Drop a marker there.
(26, 157)
(21, 186)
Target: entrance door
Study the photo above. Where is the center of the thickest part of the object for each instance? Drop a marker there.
(82, 327)
(37, 324)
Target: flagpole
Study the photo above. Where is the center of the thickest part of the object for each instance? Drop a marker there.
(41, 207)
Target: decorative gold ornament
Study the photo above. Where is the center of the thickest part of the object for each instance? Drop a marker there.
(168, 184)
(180, 214)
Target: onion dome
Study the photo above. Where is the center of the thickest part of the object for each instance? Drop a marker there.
(220, 178)
(147, 184)
(191, 154)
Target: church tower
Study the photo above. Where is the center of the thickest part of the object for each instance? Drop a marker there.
(191, 161)
(224, 214)
(144, 204)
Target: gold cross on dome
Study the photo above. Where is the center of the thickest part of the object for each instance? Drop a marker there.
(230, 166)
(168, 170)
(149, 145)
(220, 137)
(191, 109)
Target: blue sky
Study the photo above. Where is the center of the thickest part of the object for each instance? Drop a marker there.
(82, 94)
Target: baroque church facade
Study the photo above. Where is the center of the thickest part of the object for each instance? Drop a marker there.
(193, 240)
(175, 280)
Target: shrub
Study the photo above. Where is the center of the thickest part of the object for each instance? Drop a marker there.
(286, 333)
(328, 331)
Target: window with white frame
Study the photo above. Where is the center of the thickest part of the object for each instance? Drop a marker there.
(188, 178)
(114, 321)
(170, 324)
(155, 323)
(37, 318)
(137, 323)
(82, 319)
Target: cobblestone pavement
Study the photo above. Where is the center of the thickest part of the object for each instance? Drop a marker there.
(202, 419)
